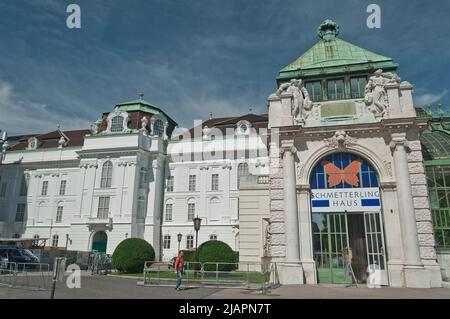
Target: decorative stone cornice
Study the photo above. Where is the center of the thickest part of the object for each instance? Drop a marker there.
(204, 168)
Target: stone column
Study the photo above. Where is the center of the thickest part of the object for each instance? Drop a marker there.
(292, 269)
(306, 249)
(414, 269)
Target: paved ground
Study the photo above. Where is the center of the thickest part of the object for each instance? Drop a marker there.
(101, 287)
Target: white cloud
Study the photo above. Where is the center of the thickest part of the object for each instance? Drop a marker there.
(21, 116)
(429, 98)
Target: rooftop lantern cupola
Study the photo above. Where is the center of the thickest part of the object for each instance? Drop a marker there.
(328, 30)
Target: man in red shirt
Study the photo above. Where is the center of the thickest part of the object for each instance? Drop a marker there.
(179, 263)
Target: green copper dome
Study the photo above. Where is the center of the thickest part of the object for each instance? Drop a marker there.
(332, 55)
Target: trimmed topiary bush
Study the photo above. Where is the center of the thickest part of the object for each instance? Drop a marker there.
(217, 252)
(130, 255)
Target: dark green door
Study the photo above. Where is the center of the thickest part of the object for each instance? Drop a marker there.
(99, 242)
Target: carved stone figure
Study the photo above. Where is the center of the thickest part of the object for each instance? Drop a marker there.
(340, 139)
(267, 238)
(302, 104)
(95, 127)
(144, 125)
(375, 92)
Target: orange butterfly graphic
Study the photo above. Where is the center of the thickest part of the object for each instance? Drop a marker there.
(348, 174)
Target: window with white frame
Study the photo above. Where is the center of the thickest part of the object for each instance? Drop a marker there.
(55, 240)
(141, 207)
(192, 182)
(62, 187)
(3, 189)
(23, 187)
(44, 190)
(143, 175)
(106, 178)
(215, 182)
(117, 124)
(191, 211)
(59, 213)
(20, 212)
(189, 241)
(166, 242)
(169, 212)
(170, 183)
(103, 207)
(158, 128)
(213, 237)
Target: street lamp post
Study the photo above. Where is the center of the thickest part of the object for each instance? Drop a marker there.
(197, 222)
(179, 241)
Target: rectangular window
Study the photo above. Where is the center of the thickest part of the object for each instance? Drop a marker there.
(189, 242)
(191, 211)
(44, 189)
(357, 86)
(103, 207)
(166, 241)
(3, 190)
(23, 187)
(169, 208)
(314, 90)
(215, 182)
(336, 89)
(62, 188)
(20, 212)
(192, 181)
(170, 183)
(59, 214)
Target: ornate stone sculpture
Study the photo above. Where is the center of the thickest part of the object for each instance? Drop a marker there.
(375, 92)
(144, 125)
(302, 104)
(267, 238)
(95, 127)
(340, 139)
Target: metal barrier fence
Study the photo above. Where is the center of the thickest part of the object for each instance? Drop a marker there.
(252, 276)
(99, 263)
(34, 276)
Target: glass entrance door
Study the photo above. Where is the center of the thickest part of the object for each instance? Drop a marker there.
(334, 235)
(330, 240)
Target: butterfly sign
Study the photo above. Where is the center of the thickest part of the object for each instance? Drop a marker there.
(348, 175)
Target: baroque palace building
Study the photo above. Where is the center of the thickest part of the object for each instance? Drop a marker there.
(343, 173)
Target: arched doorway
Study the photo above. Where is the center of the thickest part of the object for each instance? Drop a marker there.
(99, 241)
(347, 223)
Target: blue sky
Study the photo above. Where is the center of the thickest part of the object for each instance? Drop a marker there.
(192, 57)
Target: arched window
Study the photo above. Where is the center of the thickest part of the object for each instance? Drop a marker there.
(117, 124)
(55, 240)
(242, 172)
(106, 175)
(189, 241)
(158, 128)
(143, 175)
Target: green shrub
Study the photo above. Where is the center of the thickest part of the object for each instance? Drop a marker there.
(130, 255)
(215, 251)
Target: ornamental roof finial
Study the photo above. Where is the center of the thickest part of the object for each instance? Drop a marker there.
(141, 95)
(328, 30)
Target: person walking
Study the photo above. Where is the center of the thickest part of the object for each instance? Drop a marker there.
(179, 264)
